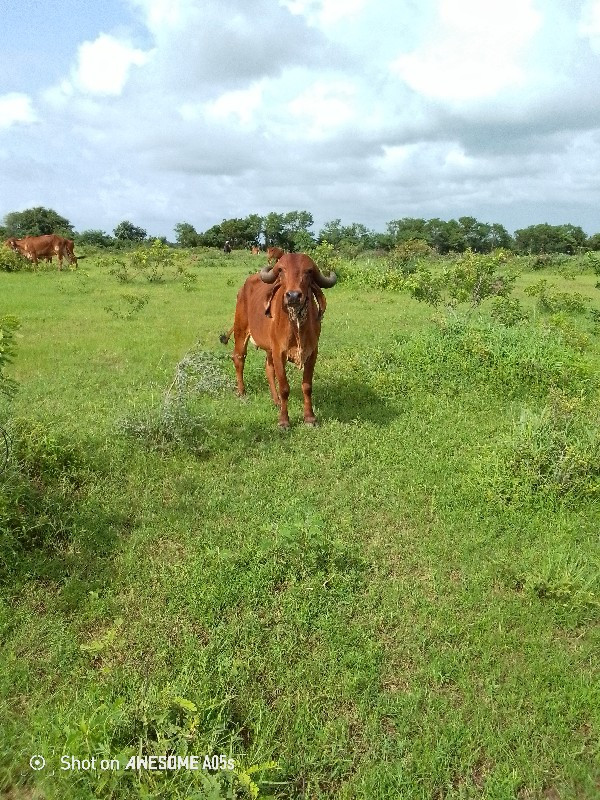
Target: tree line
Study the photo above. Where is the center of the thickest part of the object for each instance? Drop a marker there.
(293, 231)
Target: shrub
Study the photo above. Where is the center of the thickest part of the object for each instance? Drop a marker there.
(471, 278)
(406, 256)
(508, 310)
(552, 453)
(8, 326)
(325, 257)
(548, 300)
(11, 261)
(463, 352)
(41, 495)
(176, 423)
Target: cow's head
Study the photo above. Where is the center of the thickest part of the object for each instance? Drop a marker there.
(296, 274)
(12, 243)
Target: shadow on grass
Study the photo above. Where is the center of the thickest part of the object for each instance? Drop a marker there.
(347, 400)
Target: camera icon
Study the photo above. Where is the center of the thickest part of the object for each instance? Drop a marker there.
(37, 762)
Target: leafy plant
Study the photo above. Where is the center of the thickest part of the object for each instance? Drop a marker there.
(132, 305)
(508, 310)
(553, 453)
(12, 262)
(153, 261)
(8, 325)
(325, 257)
(549, 300)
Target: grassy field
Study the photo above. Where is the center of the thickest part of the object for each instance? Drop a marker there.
(402, 603)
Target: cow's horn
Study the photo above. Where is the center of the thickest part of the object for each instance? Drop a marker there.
(325, 281)
(267, 275)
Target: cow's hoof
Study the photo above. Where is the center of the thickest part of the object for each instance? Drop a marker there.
(283, 426)
(311, 422)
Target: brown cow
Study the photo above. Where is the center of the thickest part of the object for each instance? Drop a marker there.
(255, 251)
(274, 254)
(47, 246)
(280, 309)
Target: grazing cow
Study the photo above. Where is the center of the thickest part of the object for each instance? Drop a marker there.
(36, 247)
(279, 310)
(227, 247)
(255, 251)
(274, 254)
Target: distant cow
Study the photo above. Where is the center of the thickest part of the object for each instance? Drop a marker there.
(280, 309)
(36, 247)
(274, 254)
(255, 251)
(227, 247)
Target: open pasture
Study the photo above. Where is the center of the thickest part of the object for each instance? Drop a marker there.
(401, 603)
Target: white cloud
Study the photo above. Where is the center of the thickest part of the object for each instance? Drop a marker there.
(589, 24)
(324, 12)
(241, 105)
(324, 106)
(103, 65)
(476, 50)
(15, 107)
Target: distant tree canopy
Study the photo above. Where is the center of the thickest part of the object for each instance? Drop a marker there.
(94, 238)
(290, 231)
(355, 234)
(451, 235)
(127, 232)
(550, 239)
(37, 222)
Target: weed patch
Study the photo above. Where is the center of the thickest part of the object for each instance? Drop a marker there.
(552, 455)
(461, 352)
(179, 420)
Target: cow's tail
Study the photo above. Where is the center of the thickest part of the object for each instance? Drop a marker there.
(224, 337)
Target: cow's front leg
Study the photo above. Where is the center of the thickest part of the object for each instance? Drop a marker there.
(270, 372)
(284, 389)
(307, 379)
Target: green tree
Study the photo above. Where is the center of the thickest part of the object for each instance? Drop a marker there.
(594, 242)
(273, 230)
(127, 232)
(186, 235)
(407, 229)
(545, 238)
(446, 237)
(37, 221)
(94, 238)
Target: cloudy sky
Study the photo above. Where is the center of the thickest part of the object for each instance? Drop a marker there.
(165, 111)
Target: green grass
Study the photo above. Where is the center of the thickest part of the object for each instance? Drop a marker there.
(402, 603)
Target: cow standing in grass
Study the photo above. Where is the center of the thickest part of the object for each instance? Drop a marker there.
(279, 310)
(35, 248)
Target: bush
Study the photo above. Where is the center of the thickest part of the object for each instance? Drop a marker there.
(406, 256)
(464, 352)
(552, 453)
(549, 300)
(8, 326)
(508, 311)
(41, 492)
(11, 261)
(176, 423)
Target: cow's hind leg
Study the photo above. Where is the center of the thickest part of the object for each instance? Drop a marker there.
(239, 358)
(307, 379)
(270, 372)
